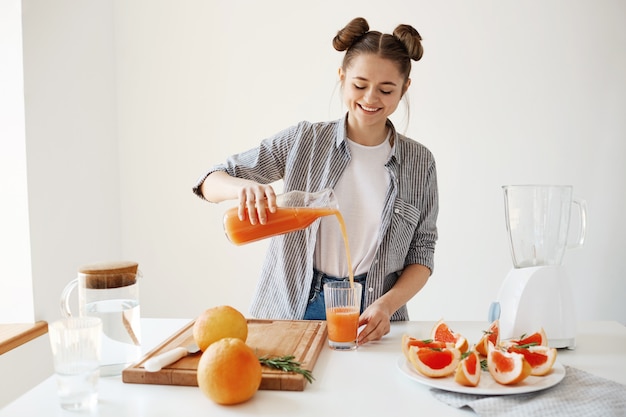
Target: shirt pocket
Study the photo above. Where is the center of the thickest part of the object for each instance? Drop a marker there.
(406, 213)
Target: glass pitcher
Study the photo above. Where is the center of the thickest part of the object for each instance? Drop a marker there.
(538, 221)
(296, 210)
(110, 291)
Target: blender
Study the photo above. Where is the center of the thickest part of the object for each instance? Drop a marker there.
(536, 293)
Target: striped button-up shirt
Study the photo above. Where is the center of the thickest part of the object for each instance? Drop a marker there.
(311, 157)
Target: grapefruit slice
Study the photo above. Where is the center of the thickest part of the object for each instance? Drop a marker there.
(468, 370)
(538, 338)
(442, 333)
(540, 358)
(434, 362)
(492, 335)
(507, 368)
(408, 341)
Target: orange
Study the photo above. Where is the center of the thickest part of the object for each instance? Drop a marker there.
(540, 358)
(507, 368)
(408, 341)
(492, 335)
(434, 362)
(229, 372)
(217, 323)
(468, 370)
(442, 333)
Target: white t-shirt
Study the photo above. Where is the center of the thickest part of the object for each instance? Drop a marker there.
(360, 192)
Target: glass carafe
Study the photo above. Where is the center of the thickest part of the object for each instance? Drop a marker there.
(110, 291)
(296, 210)
(538, 223)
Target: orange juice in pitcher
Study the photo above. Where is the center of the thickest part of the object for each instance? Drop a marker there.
(296, 210)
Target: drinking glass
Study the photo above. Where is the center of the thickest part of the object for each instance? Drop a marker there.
(343, 306)
(75, 344)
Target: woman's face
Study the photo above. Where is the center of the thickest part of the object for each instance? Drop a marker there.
(372, 89)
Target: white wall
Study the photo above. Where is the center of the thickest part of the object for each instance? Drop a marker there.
(507, 92)
(71, 142)
(16, 290)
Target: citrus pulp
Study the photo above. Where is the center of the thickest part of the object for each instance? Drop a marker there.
(540, 358)
(492, 335)
(507, 368)
(442, 333)
(468, 370)
(434, 362)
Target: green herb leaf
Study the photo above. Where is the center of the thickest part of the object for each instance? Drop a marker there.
(527, 345)
(483, 365)
(287, 364)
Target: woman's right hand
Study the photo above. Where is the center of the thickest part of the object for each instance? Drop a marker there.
(255, 199)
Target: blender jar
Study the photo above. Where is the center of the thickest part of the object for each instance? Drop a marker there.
(538, 221)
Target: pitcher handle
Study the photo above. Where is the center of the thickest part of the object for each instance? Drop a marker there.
(65, 298)
(582, 208)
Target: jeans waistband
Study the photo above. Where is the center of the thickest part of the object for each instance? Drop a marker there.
(319, 278)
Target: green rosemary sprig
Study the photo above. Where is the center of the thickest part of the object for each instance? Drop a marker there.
(527, 345)
(286, 363)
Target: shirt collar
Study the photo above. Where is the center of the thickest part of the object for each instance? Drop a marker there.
(342, 134)
(342, 131)
(396, 138)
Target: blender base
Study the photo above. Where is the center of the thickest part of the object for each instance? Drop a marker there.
(538, 297)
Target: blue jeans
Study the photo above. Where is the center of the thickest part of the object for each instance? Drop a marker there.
(316, 309)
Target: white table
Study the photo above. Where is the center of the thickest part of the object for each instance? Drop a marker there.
(366, 382)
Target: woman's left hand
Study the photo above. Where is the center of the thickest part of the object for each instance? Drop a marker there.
(376, 321)
(377, 317)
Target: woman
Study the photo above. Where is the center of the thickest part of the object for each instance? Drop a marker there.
(385, 184)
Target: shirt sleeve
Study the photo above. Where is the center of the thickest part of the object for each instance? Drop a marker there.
(263, 164)
(422, 250)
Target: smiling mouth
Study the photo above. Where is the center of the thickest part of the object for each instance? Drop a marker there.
(369, 109)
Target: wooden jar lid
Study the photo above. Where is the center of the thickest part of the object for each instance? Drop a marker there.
(103, 275)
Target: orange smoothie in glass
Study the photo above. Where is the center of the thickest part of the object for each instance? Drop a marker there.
(343, 323)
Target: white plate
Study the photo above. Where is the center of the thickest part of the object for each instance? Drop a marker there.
(487, 385)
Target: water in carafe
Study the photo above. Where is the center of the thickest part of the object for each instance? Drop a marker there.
(121, 331)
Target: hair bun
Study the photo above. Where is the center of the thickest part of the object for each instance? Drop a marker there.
(411, 40)
(347, 36)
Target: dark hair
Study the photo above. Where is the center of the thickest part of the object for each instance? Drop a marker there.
(401, 47)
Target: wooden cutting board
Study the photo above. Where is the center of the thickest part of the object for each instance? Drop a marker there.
(303, 339)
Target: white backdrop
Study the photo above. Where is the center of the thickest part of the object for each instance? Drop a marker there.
(507, 92)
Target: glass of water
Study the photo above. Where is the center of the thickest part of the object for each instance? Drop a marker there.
(76, 345)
